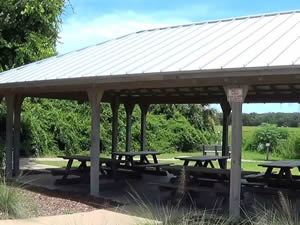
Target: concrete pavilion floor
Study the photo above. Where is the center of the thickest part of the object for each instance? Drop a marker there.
(129, 192)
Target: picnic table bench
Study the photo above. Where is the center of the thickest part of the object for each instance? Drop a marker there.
(198, 180)
(82, 170)
(283, 178)
(203, 172)
(215, 149)
(140, 162)
(122, 162)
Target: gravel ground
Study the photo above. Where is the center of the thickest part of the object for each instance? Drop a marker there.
(49, 202)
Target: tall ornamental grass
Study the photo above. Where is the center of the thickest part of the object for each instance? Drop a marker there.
(13, 204)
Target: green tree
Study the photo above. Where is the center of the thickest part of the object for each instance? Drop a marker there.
(28, 30)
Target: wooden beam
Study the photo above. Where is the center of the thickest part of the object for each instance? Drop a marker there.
(115, 119)
(129, 109)
(236, 95)
(144, 109)
(17, 128)
(226, 112)
(95, 98)
(10, 101)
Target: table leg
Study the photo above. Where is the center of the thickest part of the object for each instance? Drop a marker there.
(222, 163)
(130, 160)
(68, 168)
(155, 159)
(268, 173)
(144, 159)
(83, 167)
(186, 162)
(286, 172)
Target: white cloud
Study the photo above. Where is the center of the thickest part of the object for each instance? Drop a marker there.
(77, 32)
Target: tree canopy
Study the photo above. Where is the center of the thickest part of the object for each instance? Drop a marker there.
(28, 30)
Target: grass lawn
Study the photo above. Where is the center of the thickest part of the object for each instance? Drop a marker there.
(249, 166)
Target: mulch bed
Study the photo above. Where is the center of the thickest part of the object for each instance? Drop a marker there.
(53, 202)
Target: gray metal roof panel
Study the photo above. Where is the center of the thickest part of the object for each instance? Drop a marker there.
(270, 40)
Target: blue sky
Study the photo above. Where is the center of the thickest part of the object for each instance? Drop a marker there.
(94, 21)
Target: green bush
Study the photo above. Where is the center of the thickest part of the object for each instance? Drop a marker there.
(290, 148)
(51, 127)
(267, 133)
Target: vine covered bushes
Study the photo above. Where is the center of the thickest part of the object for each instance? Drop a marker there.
(51, 127)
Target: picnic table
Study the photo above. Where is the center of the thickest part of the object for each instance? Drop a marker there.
(82, 170)
(282, 178)
(140, 161)
(204, 161)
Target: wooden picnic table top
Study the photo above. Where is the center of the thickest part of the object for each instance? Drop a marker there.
(281, 164)
(136, 153)
(83, 158)
(201, 158)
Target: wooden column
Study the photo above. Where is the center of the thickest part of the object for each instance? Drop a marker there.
(129, 109)
(115, 117)
(144, 110)
(10, 102)
(236, 96)
(95, 98)
(226, 112)
(17, 128)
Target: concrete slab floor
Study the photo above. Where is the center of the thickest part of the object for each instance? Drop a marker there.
(138, 195)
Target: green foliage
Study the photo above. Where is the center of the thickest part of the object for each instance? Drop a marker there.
(290, 148)
(201, 116)
(267, 133)
(52, 127)
(175, 134)
(28, 30)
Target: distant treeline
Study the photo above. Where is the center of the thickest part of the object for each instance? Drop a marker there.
(280, 119)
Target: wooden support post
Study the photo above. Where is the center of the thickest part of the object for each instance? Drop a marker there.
(144, 110)
(236, 96)
(10, 99)
(94, 99)
(226, 112)
(115, 114)
(129, 109)
(17, 128)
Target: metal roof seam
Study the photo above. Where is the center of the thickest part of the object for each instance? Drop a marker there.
(166, 58)
(284, 50)
(194, 49)
(144, 50)
(272, 42)
(214, 47)
(234, 44)
(250, 46)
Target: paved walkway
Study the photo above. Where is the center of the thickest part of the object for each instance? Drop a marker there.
(29, 164)
(97, 217)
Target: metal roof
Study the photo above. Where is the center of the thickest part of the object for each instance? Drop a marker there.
(260, 41)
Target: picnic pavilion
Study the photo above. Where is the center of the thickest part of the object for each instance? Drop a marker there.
(252, 59)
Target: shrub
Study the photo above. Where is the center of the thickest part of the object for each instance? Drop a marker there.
(290, 148)
(267, 133)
